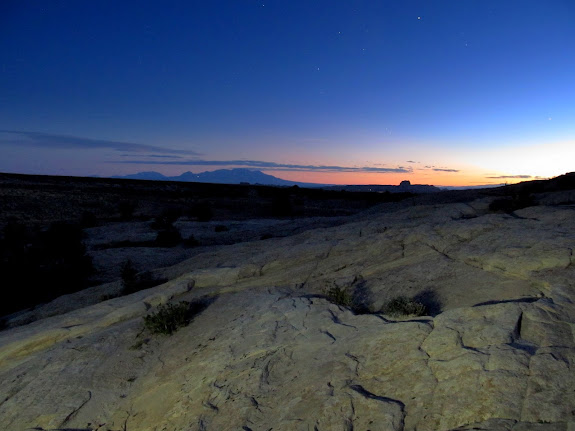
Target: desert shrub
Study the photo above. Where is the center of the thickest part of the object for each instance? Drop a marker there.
(357, 297)
(430, 300)
(404, 306)
(361, 298)
(339, 296)
(168, 318)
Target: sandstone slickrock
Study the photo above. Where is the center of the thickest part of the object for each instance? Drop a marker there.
(270, 353)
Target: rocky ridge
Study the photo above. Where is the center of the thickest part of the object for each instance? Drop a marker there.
(271, 353)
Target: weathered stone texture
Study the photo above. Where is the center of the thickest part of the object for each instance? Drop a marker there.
(271, 353)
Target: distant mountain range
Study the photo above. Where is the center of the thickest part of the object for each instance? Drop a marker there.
(222, 176)
(249, 176)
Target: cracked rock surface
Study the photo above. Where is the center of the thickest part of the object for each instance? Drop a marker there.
(497, 351)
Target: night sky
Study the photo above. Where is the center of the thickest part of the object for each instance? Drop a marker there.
(444, 92)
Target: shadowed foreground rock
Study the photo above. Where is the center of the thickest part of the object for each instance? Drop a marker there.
(270, 353)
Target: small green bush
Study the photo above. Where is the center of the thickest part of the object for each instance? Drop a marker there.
(339, 296)
(404, 306)
(168, 319)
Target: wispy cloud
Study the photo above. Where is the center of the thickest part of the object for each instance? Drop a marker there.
(445, 170)
(52, 141)
(270, 166)
(154, 156)
(435, 169)
(505, 177)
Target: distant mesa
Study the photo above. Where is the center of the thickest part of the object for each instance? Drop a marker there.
(403, 187)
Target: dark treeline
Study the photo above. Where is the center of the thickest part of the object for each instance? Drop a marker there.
(40, 265)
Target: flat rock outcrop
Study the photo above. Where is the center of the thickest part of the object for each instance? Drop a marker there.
(270, 352)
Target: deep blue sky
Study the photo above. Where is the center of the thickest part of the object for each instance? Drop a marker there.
(433, 91)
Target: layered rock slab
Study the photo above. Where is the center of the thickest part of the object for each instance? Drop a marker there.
(270, 354)
(267, 359)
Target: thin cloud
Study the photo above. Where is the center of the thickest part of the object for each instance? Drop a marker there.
(270, 166)
(411, 161)
(433, 168)
(154, 156)
(48, 140)
(445, 170)
(505, 177)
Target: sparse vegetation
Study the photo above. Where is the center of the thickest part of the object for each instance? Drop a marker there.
(404, 306)
(170, 317)
(339, 296)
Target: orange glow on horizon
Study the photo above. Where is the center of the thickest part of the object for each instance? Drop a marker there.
(415, 177)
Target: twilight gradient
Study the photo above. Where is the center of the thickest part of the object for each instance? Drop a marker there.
(343, 92)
